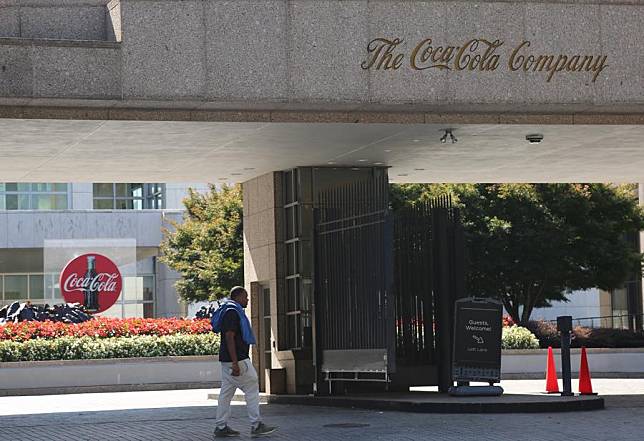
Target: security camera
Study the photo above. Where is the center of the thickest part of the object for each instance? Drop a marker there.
(535, 138)
(448, 132)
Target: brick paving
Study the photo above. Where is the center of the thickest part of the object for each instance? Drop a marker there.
(189, 416)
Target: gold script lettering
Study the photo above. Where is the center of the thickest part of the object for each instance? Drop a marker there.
(478, 54)
(430, 54)
(381, 52)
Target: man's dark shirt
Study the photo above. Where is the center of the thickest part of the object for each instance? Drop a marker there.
(231, 322)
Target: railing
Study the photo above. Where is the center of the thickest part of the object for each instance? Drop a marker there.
(623, 321)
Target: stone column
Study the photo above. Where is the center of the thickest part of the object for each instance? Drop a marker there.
(262, 268)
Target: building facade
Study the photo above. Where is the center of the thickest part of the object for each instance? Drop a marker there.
(31, 214)
(244, 91)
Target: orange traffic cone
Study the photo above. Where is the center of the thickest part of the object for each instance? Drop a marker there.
(585, 385)
(552, 386)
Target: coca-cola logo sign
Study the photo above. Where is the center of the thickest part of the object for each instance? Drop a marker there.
(92, 280)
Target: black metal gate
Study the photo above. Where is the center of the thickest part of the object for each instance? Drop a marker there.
(385, 286)
(429, 276)
(353, 313)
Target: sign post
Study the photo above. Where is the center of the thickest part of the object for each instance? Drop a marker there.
(564, 326)
(477, 346)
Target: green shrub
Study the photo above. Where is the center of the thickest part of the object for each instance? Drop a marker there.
(76, 348)
(517, 337)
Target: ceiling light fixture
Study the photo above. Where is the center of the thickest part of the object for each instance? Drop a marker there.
(448, 132)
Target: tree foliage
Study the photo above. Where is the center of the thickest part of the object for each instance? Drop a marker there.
(207, 247)
(530, 244)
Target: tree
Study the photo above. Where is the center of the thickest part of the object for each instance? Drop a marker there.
(530, 244)
(207, 247)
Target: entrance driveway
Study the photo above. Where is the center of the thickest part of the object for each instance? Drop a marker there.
(188, 415)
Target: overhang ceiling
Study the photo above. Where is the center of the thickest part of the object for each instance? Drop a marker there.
(33, 150)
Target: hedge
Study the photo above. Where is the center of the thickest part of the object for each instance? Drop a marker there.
(548, 335)
(78, 348)
(103, 327)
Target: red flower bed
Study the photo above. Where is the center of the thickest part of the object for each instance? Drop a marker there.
(103, 327)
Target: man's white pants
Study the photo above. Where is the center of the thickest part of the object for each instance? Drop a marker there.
(247, 382)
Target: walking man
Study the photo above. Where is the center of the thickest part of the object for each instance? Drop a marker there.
(237, 371)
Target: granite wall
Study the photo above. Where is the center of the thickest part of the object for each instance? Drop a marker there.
(57, 19)
(305, 51)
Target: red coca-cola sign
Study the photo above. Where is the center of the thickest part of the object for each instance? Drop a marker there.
(92, 280)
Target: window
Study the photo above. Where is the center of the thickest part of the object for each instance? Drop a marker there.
(120, 196)
(136, 300)
(33, 196)
(296, 305)
(266, 330)
(36, 287)
(16, 287)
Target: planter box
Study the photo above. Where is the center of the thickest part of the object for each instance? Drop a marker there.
(124, 374)
(610, 362)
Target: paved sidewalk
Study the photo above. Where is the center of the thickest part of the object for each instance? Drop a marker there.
(189, 416)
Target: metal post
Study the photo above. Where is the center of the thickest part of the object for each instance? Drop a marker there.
(564, 326)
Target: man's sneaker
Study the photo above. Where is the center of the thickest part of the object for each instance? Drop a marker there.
(262, 430)
(226, 431)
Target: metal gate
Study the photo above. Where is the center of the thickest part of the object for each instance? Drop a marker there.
(385, 286)
(354, 314)
(429, 275)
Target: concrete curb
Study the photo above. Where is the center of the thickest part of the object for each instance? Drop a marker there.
(445, 404)
(106, 388)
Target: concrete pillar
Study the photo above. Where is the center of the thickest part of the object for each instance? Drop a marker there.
(262, 264)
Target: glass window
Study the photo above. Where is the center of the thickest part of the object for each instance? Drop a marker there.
(136, 190)
(132, 289)
(121, 190)
(33, 196)
(17, 201)
(148, 288)
(11, 201)
(15, 287)
(294, 331)
(42, 202)
(127, 196)
(13, 186)
(41, 187)
(104, 190)
(50, 281)
(292, 293)
(148, 310)
(103, 204)
(36, 286)
(124, 204)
